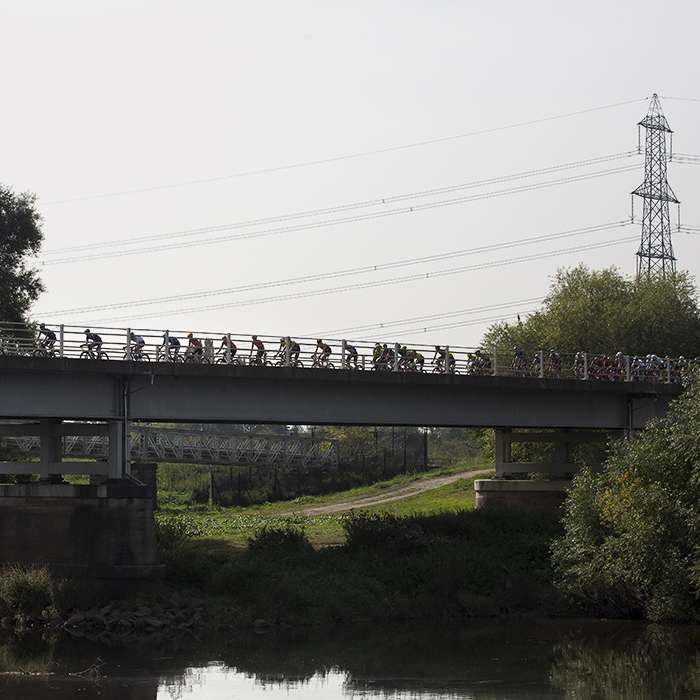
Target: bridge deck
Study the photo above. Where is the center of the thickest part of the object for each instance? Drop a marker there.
(70, 389)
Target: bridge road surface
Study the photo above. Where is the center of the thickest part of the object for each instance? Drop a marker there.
(109, 390)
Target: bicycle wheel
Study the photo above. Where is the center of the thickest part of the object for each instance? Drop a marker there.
(330, 365)
(86, 355)
(39, 353)
(102, 356)
(144, 357)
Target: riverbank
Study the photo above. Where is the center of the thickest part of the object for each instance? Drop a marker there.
(401, 557)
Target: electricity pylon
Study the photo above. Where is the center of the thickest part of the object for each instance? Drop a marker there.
(655, 252)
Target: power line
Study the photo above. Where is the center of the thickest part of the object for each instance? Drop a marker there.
(350, 156)
(380, 283)
(420, 319)
(350, 219)
(344, 273)
(342, 207)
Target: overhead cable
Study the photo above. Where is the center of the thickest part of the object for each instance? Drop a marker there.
(351, 156)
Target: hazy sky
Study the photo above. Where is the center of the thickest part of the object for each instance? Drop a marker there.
(245, 166)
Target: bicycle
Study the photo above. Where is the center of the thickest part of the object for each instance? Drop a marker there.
(135, 354)
(195, 357)
(89, 353)
(259, 359)
(42, 350)
(171, 355)
(321, 362)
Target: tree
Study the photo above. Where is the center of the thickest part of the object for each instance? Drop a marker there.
(603, 311)
(630, 546)
(20, 238)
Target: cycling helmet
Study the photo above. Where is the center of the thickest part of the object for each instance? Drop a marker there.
(223, 337)
(255, 337)
(132, 334)
(437, 347)
(42, 325)
(282, 340)
(190, 335)
(319, 341)
(87, 330)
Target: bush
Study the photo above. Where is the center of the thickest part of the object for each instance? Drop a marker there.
(28, 592)
(631, 532)
(284, 542)
(172, 530)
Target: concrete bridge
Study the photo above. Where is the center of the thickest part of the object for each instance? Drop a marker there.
(60, 397)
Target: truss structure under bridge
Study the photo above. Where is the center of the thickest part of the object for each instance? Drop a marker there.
(152, 444)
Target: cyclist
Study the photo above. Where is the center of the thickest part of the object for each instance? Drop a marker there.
(482, 362)
(323, 352)
(173, 347)
(93, 342)
(351, 355)
(226, 347)
(259, 346)
(136, 346)
(416, 360)
(49, 339)
(555, 364)
(294, 351)
(194, 347)
(377, 356)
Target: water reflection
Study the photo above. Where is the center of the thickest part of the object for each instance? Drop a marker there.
(582, 660)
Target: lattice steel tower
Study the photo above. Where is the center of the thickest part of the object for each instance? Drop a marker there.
(655, 252)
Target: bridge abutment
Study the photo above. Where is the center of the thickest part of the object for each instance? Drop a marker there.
(101, 532)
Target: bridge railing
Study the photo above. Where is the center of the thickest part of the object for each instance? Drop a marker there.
(149, 345)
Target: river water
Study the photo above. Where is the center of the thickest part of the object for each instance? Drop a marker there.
(572, 660)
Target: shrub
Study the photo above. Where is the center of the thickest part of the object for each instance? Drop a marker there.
(286, 541)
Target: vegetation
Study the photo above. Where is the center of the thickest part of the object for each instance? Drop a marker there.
(20, 238)
(603, 311)
(630, 547)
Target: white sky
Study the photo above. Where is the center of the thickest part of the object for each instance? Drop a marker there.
(133, 120)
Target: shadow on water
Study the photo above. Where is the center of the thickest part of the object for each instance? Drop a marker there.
(580, 660)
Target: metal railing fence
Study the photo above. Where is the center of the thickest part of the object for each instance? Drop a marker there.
(149, 345)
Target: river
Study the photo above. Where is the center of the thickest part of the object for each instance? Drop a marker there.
(480, 660)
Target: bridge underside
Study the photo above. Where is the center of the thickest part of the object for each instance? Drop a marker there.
(107, 396)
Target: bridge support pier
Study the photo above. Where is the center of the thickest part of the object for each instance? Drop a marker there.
(506, 489)
(104, 532)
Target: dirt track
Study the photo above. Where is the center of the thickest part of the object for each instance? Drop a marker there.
(394, 493)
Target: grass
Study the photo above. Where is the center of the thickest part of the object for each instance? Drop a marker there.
(236, 525)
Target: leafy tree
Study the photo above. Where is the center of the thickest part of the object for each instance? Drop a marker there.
(603, 311)
(631, 533)
(20, 238)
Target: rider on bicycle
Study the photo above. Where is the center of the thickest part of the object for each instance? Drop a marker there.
(351, 355)
(49, 338)
(194, 347)
(227, 346)
(259, 346)
(93, 341)
(439, 359)
(137, 345)
(294, 351)
(173, 346)
(323, 351)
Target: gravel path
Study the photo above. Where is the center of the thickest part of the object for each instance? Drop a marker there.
(393, 493)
